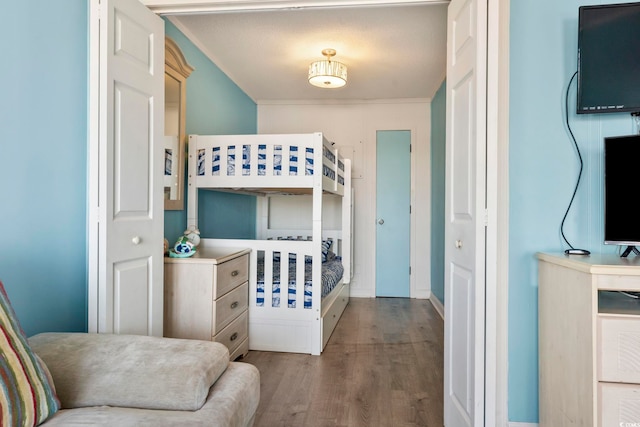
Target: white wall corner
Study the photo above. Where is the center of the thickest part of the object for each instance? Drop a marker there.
(437, 304)
(422, 294)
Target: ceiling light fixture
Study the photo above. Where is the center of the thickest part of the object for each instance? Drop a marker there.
(328, 74)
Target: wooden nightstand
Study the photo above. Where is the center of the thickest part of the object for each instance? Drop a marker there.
(206, 297)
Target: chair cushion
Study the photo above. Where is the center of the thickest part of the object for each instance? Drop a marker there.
(27, 394)
(131, 370)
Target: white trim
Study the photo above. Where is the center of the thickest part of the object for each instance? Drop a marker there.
(497, 273)
(345, 101)
(437, 304)
(93, 175)
(211, 6)
(523, 424)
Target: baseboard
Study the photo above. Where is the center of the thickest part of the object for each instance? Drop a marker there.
(437, 304)
(359, 293)
(512, 424)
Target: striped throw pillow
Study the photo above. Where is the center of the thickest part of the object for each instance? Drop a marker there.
(27, 395)
(326, 244)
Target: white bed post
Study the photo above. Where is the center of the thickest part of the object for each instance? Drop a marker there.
(262, 216)
(316, 334)
(192, 189)
(347, 216)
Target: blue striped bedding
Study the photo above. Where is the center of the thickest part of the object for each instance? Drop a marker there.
(332, 271)
(262, 160)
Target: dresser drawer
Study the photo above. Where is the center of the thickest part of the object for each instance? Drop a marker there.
(230, 274)
(619, 404)
(619, 349)
(234, 334)
(229, 306)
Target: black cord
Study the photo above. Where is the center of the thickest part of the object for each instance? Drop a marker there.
(572, 250)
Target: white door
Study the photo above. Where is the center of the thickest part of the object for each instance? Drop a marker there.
(465, 214)
(126, 168)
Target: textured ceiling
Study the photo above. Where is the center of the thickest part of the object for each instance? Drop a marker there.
(392, 52)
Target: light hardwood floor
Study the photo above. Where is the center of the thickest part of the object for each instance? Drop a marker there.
(383, 366)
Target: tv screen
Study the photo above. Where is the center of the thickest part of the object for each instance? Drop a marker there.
(609, 58)
(621, 224)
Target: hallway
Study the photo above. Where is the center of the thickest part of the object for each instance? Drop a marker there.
(383, 366)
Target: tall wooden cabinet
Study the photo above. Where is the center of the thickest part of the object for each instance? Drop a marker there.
(206, 297)
(589, 340)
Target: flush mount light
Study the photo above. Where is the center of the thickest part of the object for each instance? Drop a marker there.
(327, 73)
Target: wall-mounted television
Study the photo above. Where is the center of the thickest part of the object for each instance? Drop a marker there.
(621, 223)
(609, 58)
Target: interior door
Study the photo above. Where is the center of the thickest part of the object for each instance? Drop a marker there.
(393, 213)
(465, 214)
(126, 168)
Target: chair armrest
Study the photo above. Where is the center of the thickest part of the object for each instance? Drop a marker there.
(130, 370)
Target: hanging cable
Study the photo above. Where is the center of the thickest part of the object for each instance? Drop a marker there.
(572, 250)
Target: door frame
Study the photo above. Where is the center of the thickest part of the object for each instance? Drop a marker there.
(497, 281)
(414, 292)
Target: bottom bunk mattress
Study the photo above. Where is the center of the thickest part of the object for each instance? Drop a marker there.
(332, 271)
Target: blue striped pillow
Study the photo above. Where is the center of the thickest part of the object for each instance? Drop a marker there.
(326, 244)
(27, 395)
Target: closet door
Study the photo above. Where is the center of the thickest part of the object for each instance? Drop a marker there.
(126, 165)
(465, 210)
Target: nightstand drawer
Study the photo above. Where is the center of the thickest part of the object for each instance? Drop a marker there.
(234, 334)
(619, 349)
(230, 274)
(228, 307)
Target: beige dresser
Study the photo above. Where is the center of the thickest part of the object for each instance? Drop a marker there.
(589, 340)
(206, 297)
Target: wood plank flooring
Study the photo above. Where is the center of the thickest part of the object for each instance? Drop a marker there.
(383, 366)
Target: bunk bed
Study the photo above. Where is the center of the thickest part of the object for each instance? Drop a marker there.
(298, 278)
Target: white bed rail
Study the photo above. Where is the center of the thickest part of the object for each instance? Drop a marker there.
(265, 161)
(281, 327)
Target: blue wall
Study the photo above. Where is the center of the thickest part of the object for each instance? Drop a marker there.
(543, 171)
(43, 168)
(43, 157)
(215, 106)
(438, 164)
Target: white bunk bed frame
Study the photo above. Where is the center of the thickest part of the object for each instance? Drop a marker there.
(281, 328)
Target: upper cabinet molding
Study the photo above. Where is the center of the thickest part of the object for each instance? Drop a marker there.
(196, 6)
(175, 59)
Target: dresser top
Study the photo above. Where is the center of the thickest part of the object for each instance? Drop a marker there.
(209, 255)
(596, 263)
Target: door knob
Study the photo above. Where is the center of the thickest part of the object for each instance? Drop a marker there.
(381, 221)
(135, 240)
(458, 244)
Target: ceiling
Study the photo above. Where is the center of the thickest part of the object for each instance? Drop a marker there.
(391, 51)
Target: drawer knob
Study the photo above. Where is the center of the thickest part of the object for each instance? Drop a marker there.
(234, 304)
(234, 337)
(234, 273)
